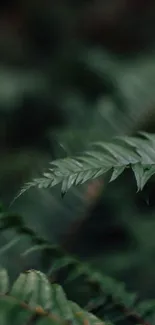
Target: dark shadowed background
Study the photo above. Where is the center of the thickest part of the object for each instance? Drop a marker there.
(71, 73)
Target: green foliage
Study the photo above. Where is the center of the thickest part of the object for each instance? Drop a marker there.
(105, 297)
(137, 153)
(32, 297)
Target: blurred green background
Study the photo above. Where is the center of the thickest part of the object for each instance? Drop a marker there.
(72, 73)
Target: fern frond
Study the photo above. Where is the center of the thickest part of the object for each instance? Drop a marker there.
(137, 153)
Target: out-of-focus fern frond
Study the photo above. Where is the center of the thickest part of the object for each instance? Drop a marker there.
(138, 153)
(33, 288)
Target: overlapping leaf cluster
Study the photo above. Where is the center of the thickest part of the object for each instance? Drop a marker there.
(108, 300)
(33, 300)
(137, 153)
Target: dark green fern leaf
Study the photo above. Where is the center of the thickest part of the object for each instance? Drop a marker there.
(137, 153)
